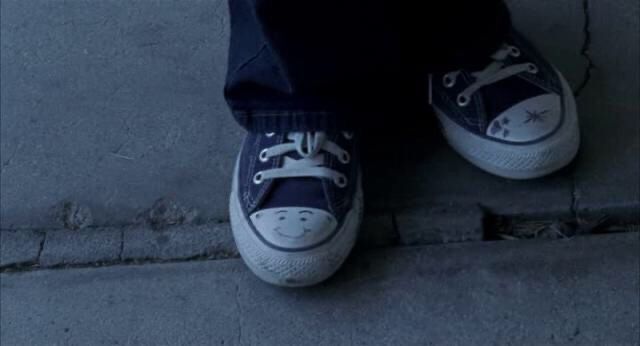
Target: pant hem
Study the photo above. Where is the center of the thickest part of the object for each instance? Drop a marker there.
(292, 120)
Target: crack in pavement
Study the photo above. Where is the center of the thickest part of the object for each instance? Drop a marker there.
(121, 245)
(575, 197)
(44, 237)
(240, 313)
(585, 51)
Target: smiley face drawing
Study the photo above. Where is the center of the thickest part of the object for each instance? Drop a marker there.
(293, 226)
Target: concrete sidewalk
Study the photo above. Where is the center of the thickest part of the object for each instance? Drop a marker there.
(583, 291)
(115, 104)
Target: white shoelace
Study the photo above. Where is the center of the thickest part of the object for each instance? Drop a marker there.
(310, 146)
(495, 72)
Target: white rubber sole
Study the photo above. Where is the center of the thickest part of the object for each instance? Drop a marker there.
(519, 161)
(293, 269)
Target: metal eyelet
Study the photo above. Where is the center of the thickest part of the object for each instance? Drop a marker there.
(270, 134)
(257, 178)
(341, 181)
(263, 156)
(533, 68)
(344, 157)
(514, 51)
(463, 100)
(448, 81)
(348, 135)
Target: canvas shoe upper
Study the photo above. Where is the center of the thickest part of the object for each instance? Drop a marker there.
(515, 116)
(295, 206)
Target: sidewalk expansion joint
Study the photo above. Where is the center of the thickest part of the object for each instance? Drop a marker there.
(27, 267)
(215, 242)
(121, 245)
(42, 241)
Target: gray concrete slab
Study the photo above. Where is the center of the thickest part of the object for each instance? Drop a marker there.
(94, 246)
(440, 225)
(524, 293)
(180, 242)
(608, 169)
(63, 247)
(113, 104)
(438, 176)
(20, 247)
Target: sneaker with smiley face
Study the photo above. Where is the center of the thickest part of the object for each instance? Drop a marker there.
(296, 205)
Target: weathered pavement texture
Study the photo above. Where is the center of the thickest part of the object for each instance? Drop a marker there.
(582, 291)
(60, 248)
(115, 104)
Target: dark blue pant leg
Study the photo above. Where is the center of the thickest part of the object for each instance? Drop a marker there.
(298, 65)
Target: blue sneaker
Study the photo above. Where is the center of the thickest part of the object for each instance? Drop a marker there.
(515, 118)
(296, 205)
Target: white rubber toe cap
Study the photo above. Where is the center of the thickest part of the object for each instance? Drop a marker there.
(529, 120)
(294, 227)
